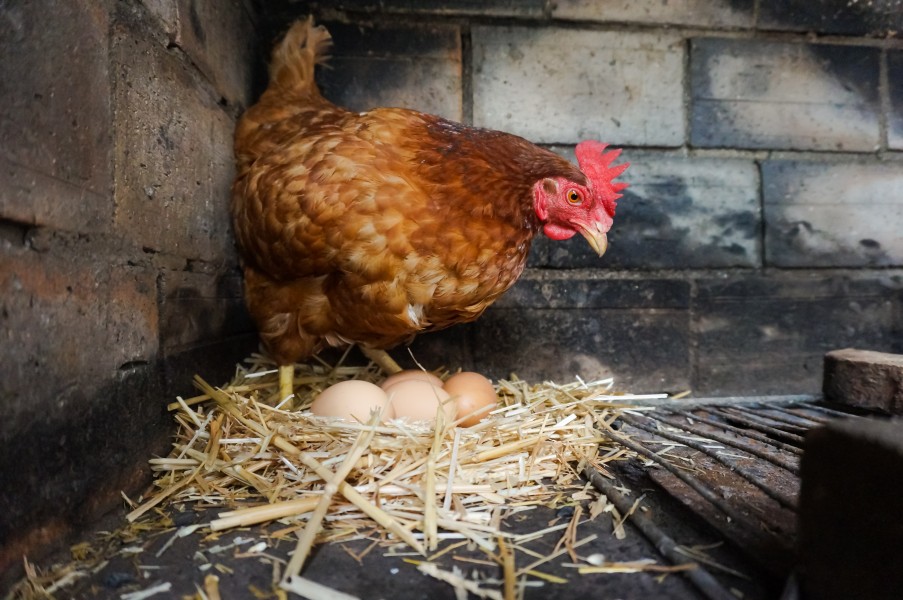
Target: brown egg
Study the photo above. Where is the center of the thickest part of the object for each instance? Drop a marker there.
(471, 392)
(411, 374)
(352, 400)
(418, 400)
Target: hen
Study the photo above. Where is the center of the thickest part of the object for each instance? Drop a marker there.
(371, 227)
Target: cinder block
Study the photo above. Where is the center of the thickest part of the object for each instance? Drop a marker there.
(220, 39)
(167, 12)
(895, 86)
(74, 311)
(644, 350)
(559, 86)
(842, 17)
(174, 164)
(213, 360)
(80, 387)
(865, 379)
(833, 214)
(759, 94)
(451, 348)
(199, 308)
(558, 325)
(495, 8)
(555, 325)
(417, 67)
(68, 462)
(699, 13)
(767, 334)
(677, 213)
(851, 499)
(567, 290)
(55, 132)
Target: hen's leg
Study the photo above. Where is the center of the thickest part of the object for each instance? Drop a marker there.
(286, 381)
(382, 359)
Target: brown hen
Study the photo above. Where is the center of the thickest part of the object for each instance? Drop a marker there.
(371, 227)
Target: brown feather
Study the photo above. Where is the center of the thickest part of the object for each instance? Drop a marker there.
(373, 227)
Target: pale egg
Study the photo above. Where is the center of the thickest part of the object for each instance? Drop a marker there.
(352, 400)
(411, 374)
(474, 396)
(419, 400)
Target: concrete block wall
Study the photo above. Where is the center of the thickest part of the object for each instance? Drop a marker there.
(118, 274)
(759, 232)
(761, 228)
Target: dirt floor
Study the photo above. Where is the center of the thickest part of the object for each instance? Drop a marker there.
(248, 562)
(166, 552)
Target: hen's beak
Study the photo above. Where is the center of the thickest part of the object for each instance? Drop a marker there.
(596, 237)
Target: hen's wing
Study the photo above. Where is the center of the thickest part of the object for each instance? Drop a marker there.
(338, 243)
(367, 229)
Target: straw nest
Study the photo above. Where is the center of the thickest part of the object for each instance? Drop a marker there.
(398, 483)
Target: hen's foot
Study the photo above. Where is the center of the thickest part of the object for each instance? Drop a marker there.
(286, 382)
(382, 359)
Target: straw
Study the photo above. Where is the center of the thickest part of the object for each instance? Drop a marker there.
(417, 483)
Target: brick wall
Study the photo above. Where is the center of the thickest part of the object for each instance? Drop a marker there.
(117, 270)
(766, 141)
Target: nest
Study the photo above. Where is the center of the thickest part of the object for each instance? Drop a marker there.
(406, 485)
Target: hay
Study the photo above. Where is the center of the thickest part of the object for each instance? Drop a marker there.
(408, 480)
(397, 483)
(239, 447)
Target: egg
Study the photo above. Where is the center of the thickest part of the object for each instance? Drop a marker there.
(419, 400)
(472, 393)
(409, 375)
(352, 400)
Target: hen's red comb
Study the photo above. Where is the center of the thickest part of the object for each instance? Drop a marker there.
(596, 165)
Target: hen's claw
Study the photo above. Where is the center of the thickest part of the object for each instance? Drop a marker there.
(286, 382)
(382, 359)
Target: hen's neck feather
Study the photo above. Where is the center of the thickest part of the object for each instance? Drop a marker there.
(490, 167)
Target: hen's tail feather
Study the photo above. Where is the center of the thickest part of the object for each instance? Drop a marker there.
(303, 47)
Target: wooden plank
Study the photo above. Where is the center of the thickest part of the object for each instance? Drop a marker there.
(865, 379)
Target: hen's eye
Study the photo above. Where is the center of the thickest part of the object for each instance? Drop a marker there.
(574, 197)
